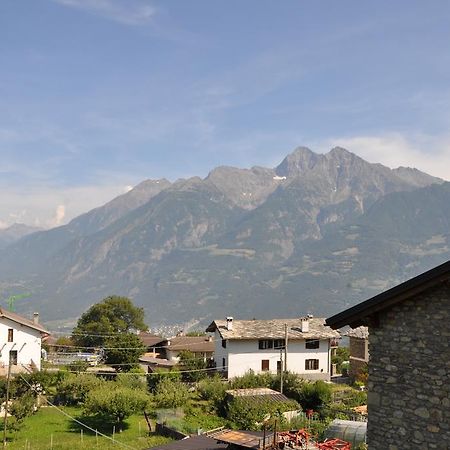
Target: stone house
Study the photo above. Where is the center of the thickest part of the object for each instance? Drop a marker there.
(409, 366)
(359, 349)
(259, 345)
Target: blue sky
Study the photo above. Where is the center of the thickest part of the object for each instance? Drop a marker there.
(97, 95)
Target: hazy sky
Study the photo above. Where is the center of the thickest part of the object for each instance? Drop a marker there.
(97, 95)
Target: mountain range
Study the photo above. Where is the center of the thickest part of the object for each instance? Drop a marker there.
(315, 234)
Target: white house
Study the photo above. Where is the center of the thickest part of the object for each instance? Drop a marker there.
(259, 345)
(20, 342)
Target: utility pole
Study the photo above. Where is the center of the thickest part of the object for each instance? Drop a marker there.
(6, 403)
(285, 346)
(281, 369)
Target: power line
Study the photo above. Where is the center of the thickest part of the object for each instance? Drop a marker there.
(78, 421)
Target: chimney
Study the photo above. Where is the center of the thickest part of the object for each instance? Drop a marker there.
(209, 338)
(229, 323)
(304, 324)
(36, 318)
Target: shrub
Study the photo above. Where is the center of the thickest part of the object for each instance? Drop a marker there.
(252, 380)
(75, 388)
(314, 395)
(153, 379)
(194, 366)
(171, 394)
(213, 389)
(249, 414)
(116, 403)
(132, 380)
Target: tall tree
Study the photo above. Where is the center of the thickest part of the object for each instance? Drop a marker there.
(111, 316)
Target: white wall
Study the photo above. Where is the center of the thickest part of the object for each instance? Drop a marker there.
(26, 340)
(244, 355)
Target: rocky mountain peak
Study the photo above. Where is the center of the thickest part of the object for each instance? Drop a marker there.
(301, 159)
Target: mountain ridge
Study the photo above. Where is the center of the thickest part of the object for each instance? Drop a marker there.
(195, 246)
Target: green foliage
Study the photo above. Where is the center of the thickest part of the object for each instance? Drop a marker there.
(249, 414)
(111, 316)
(116, 403)
(194, 365)
(363, 375)
(213, 389)
(196, 333)
(292, 384)
(159, 375)
(125, 348)
(132, 381)
(75, 388)
(252, 380)
(36, 431)
(314, 395)
(171, 394)
(22, 407)
(342, 354)
(78, 366)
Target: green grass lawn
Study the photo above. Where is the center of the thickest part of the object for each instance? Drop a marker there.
(50, 429)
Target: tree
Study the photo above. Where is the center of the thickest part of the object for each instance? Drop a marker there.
(193, 366)
(111, 316)
(124, 350)
(116, 403)
(171, 394)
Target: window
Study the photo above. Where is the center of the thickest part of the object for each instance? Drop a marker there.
(265, 365)
(278, 343)
(10, 335)
(311, 364)
(13, 357)
(279, 367)
(264, 344)
(312, 343)
(224, 343)
(223, 363)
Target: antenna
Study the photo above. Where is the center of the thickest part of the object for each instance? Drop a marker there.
(12, 300)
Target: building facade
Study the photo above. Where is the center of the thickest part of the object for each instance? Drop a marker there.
(20, 342)
(259, 346)
(409, 365)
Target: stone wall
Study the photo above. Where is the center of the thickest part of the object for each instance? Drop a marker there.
(409, 374)
(358, 348)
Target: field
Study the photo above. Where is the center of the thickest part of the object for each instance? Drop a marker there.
(50, 429)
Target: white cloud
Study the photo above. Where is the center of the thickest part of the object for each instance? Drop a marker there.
(430, 154)
(128, 12)
(60, 213)
(49, 207)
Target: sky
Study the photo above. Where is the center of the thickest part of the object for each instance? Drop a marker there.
(98, 95)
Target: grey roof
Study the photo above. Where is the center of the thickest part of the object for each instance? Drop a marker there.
(22, 320)
(273, 329)
(361, 313)
(193, 443)
(360, 333)
(156, 361)
(199, 344)
(258, 394)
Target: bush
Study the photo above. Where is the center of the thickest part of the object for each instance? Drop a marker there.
(252, 380)
(314, 395)
(250, 414)
(75, 388)
(292, 384)
(194, 366)
(214, 390)
(116, 403)
(342, 354)
(21, 408)
(132, 381)
(153, 379)
(171, 394)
